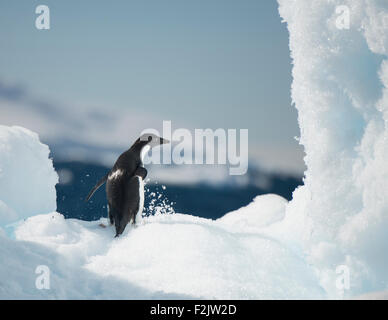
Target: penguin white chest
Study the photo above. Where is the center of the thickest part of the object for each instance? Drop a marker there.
(144, 152)
(141, 199)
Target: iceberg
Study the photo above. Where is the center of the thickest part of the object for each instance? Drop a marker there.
(270, 249)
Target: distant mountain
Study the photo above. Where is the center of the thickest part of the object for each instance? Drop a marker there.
(200, 197)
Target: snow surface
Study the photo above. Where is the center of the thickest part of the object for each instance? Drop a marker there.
(178, 254)
(19, 260)
(340, 81)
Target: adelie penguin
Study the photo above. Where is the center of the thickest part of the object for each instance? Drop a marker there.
(124, 183)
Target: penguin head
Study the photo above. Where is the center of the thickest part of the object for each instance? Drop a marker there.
(153, 140)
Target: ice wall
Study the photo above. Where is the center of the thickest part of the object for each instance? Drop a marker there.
(340, 80)
(27, 175)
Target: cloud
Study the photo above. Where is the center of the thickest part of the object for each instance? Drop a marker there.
(99, 134)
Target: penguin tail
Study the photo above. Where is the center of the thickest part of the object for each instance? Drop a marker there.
(98, 184)
(120, 227)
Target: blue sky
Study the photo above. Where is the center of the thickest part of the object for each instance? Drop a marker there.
(200, 63)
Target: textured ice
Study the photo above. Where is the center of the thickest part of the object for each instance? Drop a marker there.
(27, 176)
(340, 80)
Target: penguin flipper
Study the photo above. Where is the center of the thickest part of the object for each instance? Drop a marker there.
(98, 184)
(141, 172)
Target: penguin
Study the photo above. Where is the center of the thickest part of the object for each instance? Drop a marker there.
(125, 183)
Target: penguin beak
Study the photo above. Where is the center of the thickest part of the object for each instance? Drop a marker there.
(164, 141)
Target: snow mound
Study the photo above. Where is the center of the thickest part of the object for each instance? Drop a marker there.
(67, 280)
(263, 211)
(340, 88)
(27, 176)
(180, 255)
